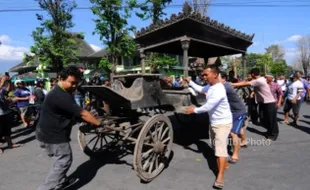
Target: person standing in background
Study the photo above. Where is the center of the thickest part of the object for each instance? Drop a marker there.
(238, 110)
(294, 99)
(22, 97)
(306, 86)
(5, 113)
(266, 101)
(276, 90)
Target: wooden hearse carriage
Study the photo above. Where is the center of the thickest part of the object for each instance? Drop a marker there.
(137, 102)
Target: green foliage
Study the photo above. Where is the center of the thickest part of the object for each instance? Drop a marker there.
(161, 61)
(105, 64)
(278, 67)
(112, 27)
(265, 61)
(53, 44)
(152, 9)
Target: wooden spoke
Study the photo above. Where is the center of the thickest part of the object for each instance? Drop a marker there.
(166, 140)
(164, 133)
(147, 162)
(147, 153)
(152, 163)
(96, 143)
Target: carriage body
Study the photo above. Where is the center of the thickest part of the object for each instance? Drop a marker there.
(133, 110)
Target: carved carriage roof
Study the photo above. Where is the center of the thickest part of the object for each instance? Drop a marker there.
(195, 17)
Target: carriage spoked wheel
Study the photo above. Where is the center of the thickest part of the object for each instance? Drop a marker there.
(153, 147)
(96, 141)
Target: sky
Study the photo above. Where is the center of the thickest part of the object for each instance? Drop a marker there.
(271, 25)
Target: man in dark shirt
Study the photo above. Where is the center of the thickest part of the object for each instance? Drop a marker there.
(5, 114)
(238, 110)
(54, 127)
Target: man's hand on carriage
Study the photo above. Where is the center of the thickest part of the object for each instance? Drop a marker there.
(190, 110)
(187, 79)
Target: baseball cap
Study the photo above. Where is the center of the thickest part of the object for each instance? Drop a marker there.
(294, 75)
(269, 75)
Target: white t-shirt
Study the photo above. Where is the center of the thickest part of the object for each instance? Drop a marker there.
(217, 104)
(282, 83)
(294, 88)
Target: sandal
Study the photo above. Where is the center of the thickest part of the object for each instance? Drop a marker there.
(232, 160)
(14, 146)
(243, 146)
(284, 122)
(218, 185)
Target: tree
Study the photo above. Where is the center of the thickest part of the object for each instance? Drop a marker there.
(112, 27)
(161, 61)
(276, 52)
(233, 64)
(303, 46)
(278, 67)
(201, 6)
(152, 9)
(265, 61)
(53, 44)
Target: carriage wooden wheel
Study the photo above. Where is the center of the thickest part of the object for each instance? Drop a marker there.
(153, 147)
(95, 141)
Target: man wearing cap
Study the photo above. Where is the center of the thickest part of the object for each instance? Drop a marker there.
(176, 83)
(276, 89)
(22, 96)
(294, 99)
(266, 101)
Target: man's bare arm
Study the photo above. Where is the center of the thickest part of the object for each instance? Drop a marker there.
(240, 84)
(89, 118)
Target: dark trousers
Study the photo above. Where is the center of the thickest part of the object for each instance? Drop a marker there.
(269, 120)
(252, 110)
(62, 156)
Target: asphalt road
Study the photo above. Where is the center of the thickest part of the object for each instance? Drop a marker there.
(281, 165)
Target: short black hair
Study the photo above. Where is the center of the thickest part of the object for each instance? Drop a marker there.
(70, 71)
(300, 72)
(214, 69)
(223, 74)
(255, 72)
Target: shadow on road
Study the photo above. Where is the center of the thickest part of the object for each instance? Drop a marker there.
(208, 154)
(189, 129)
(306, 116)
(303, 128)
(88, 170)
(22, 132)
(256, 131)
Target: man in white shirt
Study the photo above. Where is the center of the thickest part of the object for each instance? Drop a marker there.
(220, 117)
(294, 99)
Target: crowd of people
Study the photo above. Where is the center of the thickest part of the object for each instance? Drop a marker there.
(266, 97)
(65, 103)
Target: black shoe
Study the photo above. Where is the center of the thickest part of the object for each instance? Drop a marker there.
(67, 183)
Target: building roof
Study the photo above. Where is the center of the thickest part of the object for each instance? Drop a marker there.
(208, 38)
(207, 21)
(84, 51)
(98, 54)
